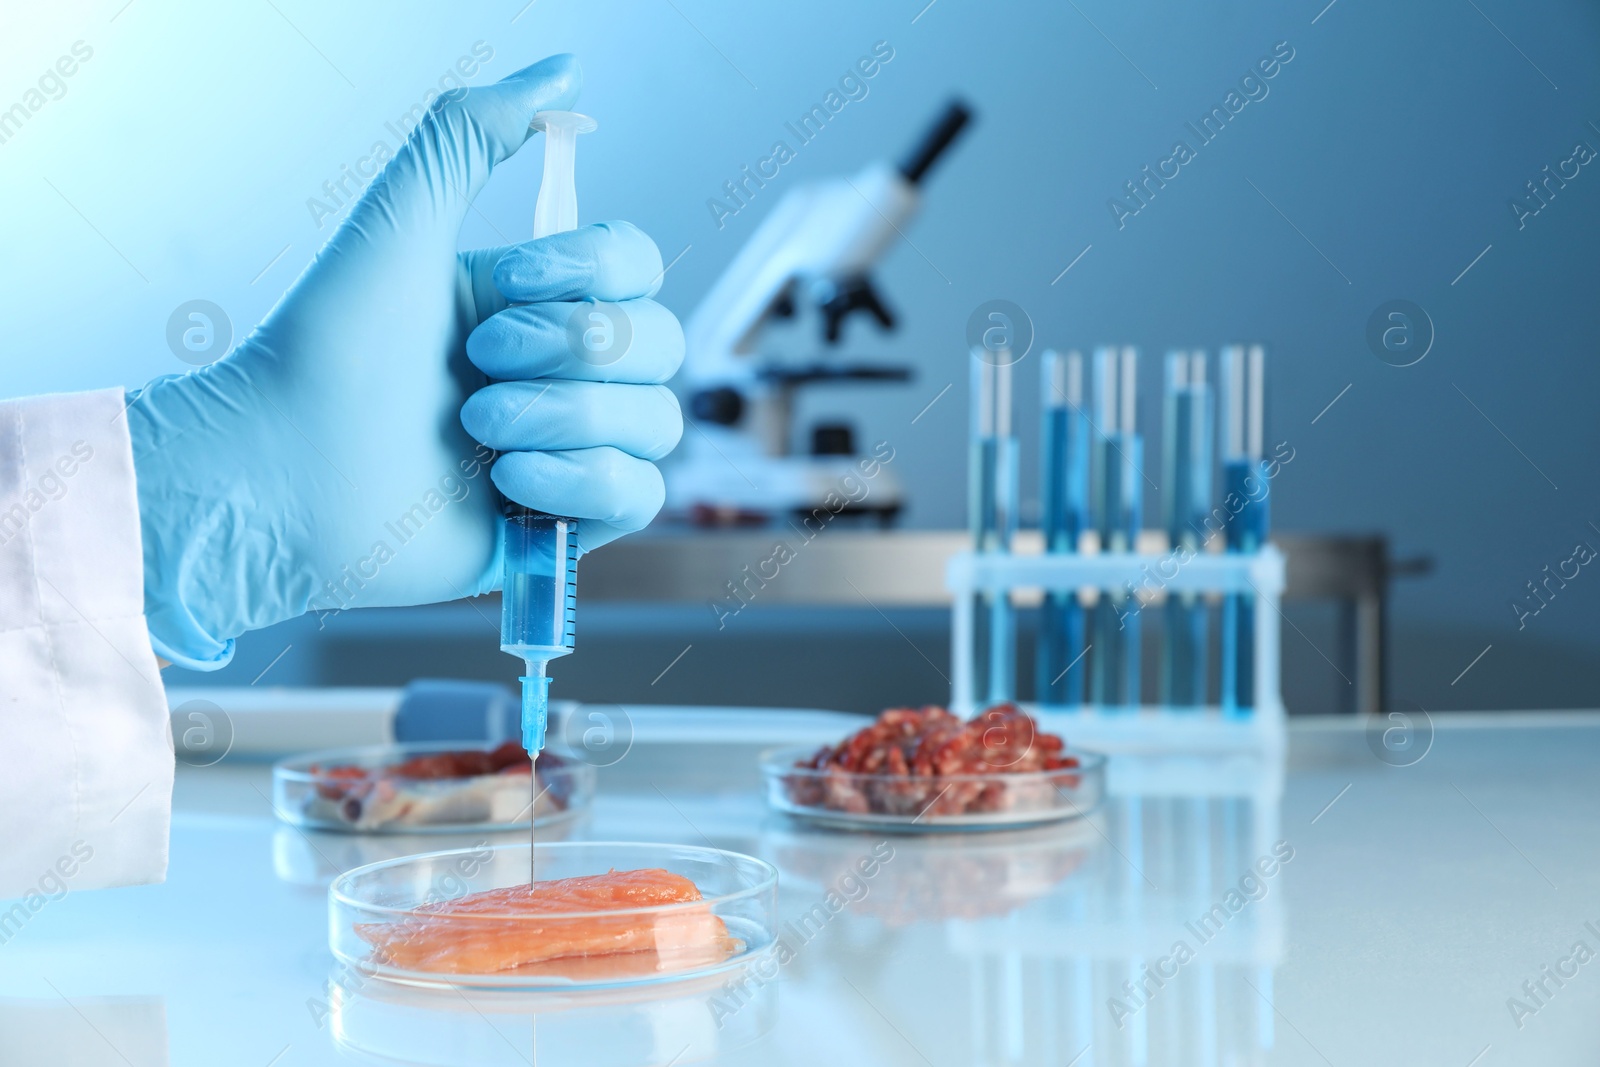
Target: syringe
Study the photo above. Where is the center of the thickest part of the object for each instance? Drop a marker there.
(539, 594)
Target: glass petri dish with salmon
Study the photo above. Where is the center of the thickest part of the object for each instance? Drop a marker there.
(601, 914)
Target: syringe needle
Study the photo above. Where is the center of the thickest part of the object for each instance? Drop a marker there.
(535, 715)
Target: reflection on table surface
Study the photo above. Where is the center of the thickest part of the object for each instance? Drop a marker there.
(1045, 942)
(690, 1021)
(1158, 931)
(130, 1031)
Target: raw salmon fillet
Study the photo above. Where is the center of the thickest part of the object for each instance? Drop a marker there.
(502, 930)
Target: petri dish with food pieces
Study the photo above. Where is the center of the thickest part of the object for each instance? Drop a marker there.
(600, 915)
(426, 788)
(922, 770)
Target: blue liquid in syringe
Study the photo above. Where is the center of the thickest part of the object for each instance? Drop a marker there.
(1242, 480)
(1062, 624)
(538, 616)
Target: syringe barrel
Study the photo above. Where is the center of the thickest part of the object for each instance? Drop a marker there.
(539, 601)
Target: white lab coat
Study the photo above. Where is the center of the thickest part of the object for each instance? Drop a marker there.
(86, 756)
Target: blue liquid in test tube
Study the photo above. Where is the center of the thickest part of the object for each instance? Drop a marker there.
(1060, 659)
(1244, 483)
(1119, 515)
(1186, 483)
(992, 515)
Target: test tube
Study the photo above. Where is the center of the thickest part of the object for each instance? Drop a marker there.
(1244, 509)
(1065, 496)
(992, 514)
(1186, 483)
(1119, 514)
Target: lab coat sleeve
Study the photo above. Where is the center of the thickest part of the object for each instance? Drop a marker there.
(86, 757)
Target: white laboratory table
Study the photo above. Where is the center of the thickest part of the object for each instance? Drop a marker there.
(1418, 902)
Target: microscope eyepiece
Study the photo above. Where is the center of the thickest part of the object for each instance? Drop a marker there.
(939, 137)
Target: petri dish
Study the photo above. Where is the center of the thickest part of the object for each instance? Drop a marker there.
(410, 788)
(692, 1021)
(395, 919)
(998, 800)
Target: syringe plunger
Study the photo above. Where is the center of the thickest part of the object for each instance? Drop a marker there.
(556, 210)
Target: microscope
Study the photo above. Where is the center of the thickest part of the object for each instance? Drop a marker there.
(741, 462)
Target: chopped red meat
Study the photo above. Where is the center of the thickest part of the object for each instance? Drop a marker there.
(907, 751)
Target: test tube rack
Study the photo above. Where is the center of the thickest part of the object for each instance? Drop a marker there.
(1257, 576)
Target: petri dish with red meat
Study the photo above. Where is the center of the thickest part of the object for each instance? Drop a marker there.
(919, 770)
(420, 788)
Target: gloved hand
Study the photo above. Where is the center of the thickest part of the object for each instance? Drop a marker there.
(326, 462)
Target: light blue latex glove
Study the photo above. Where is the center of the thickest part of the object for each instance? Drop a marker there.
(324, 463)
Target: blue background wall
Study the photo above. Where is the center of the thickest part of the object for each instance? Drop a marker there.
(179, 160)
